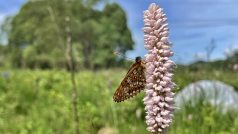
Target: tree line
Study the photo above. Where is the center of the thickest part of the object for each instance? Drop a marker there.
(37, 34)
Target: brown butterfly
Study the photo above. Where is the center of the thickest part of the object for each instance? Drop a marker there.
(133, 83)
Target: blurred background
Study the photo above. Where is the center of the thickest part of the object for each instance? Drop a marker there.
(35, 86)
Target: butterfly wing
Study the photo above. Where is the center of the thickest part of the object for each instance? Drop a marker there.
(132, 84)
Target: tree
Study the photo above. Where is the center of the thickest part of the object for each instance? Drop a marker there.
(95, 34)
(209, 49)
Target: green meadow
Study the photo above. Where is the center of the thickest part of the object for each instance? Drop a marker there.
(39, 102)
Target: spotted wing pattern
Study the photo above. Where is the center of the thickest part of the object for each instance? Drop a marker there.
(132, 84)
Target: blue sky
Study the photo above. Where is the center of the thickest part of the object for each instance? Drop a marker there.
(193, 24)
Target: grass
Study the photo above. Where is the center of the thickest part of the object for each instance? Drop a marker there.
(39, 102)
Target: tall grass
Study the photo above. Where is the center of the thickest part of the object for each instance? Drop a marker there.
(199, 116)
(39, 102)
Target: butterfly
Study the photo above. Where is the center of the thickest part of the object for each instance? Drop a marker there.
(133, 83)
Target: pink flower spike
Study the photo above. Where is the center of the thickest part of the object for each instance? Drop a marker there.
(159, 99)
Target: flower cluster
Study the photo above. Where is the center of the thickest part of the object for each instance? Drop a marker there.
(159, 98)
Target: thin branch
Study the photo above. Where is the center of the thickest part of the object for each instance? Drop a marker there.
(70, 58)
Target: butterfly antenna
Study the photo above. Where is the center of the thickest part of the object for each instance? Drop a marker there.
(119, 54)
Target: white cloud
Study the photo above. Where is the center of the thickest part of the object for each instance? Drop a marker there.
(193, 23)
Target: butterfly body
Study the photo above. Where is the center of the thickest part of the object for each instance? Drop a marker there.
(133, 83)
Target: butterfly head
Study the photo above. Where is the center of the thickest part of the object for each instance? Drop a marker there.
(138, 59)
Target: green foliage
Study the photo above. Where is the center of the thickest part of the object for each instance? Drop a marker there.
(39, 30)
(39, 102)
(185, 75)
(233, 58)
(203, 118)
(3, 56)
